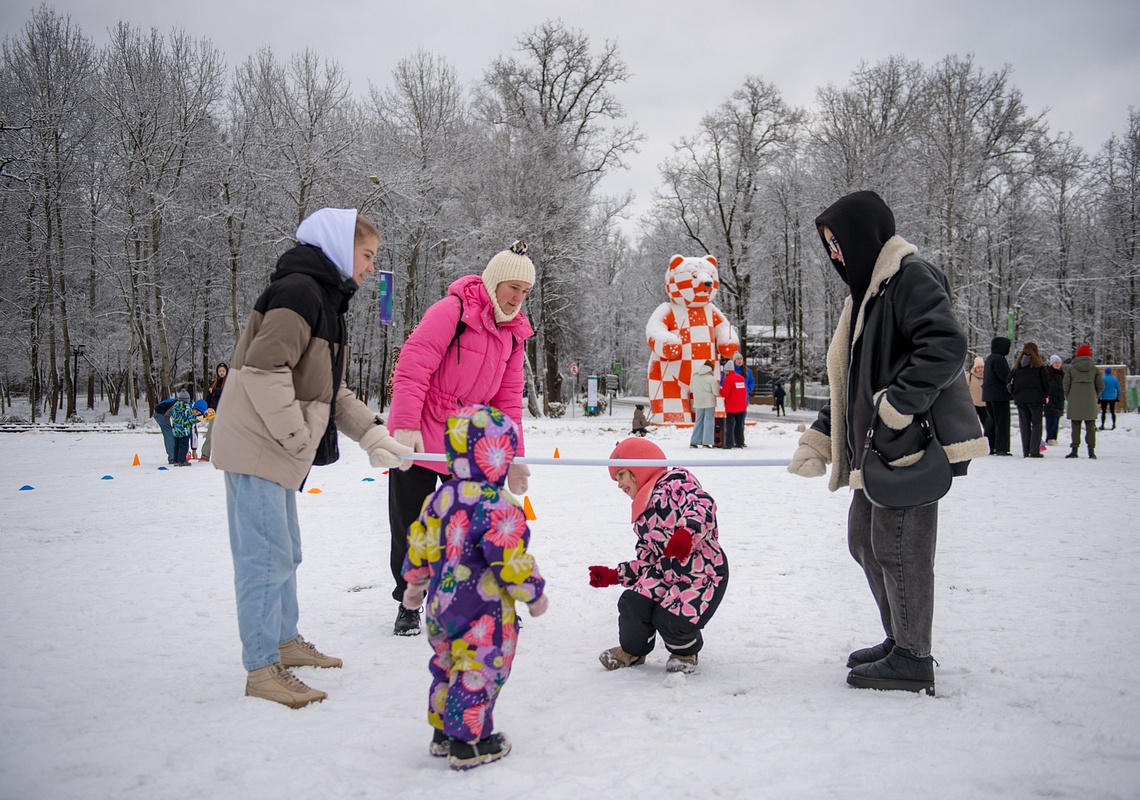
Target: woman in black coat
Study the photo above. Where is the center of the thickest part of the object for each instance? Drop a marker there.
(1029, 385)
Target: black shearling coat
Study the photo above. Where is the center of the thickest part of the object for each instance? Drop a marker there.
(906, 340)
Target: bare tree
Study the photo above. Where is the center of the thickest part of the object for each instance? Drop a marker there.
(551, 114)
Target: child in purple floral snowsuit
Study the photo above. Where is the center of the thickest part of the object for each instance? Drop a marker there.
(467, 553)
(678, 576)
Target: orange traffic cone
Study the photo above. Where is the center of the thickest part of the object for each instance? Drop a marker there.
(527, 510)
(135, 463)
(556, 453)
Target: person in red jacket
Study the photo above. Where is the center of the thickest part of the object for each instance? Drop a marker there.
(735, 394)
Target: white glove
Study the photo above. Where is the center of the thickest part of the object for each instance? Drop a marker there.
(517, 478)
(538, 606)
(382, 449)
(807, 462)
(409, 437)
(414, 595)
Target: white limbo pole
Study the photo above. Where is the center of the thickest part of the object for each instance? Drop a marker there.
(626, 462)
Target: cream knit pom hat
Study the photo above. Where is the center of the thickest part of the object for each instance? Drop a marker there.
(509, 265)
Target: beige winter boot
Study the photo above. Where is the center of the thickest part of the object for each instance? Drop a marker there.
(299, 653)
(281, 686)
(686, 664)
(616, 658)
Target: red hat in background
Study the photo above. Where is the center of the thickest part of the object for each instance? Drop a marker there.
(1084, 350)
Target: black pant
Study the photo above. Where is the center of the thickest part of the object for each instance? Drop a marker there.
(999, 425)
(640, 620)
(1110, 407)
(406, 494)
(1029, 424)
(734, 429)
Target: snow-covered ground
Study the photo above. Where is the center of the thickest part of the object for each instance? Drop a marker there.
(120, 672)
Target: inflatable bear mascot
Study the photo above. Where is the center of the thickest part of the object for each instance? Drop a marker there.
(683, 331)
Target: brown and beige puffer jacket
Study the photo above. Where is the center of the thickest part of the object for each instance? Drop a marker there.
(275, 408)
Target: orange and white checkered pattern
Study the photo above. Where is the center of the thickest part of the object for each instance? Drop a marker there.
(688, 328)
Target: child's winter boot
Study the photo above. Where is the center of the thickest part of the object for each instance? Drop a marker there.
(468, 755)
(686, 664)
(616, 658)
(440, 746)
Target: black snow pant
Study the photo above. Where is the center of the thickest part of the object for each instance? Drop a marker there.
(406, 494)
(640, 620)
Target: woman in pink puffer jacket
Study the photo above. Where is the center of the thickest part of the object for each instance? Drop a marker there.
(467, 349)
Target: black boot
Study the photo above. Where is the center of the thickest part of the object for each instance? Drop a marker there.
(1092, 454)
(901, 669)
(468, 755)
(869, 655)
(1072, 453)
(407, 622)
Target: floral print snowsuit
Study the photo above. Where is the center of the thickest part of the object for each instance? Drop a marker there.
(470, 544)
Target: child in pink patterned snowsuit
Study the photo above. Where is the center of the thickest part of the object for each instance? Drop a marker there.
(679, 573)
(467, 552)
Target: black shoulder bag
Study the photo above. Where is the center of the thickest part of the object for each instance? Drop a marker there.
(328, 449)
(924, 482)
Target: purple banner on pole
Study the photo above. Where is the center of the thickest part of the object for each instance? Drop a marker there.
(386, 291)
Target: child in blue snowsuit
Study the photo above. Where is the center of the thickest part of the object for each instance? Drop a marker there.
(467, 552)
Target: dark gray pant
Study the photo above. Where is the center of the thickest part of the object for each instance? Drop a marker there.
(895, 547)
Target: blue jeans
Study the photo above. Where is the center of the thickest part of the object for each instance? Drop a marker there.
(895, 548)
(703, 426)
(265, 539)
(167, 435)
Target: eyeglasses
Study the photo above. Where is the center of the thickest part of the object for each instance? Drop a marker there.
(833, 246)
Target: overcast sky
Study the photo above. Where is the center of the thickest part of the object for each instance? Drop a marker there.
(1079, 59)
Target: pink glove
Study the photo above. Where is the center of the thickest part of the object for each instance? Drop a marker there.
(680, 544)
(538, 606)
(409, 437)
(603, 576)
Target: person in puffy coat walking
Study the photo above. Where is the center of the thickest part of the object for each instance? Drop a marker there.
(1109, 396)
(1029, 385)
(467, 349)
(1082, 383)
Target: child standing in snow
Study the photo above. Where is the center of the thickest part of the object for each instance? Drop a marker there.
(182, 421)
(679, 573)
(467, 553)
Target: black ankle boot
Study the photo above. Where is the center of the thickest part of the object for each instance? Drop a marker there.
(901, 669)
(1072, 453)
(869, 655)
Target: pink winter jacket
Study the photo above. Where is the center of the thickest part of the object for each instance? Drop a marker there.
(435, 377)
